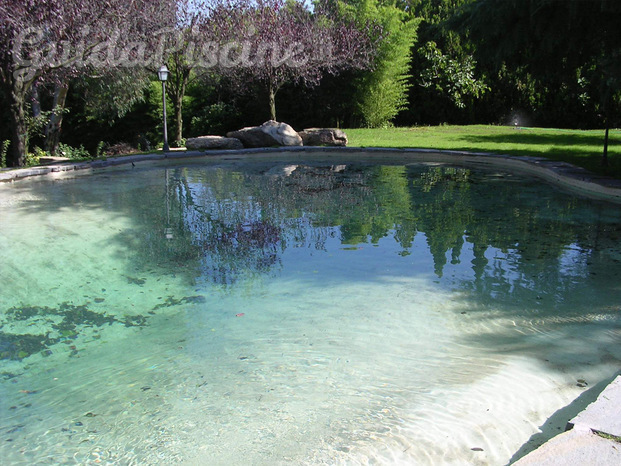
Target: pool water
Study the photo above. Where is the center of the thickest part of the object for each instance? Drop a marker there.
(320, 311)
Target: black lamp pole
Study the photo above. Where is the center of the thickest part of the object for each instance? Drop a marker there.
(163, 75)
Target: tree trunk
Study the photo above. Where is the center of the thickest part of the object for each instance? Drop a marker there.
(36, 102)
(176, 88)
(178, 106)
(17, 118)
(53, 129)
(176, 92)
(19, 136)
(605, 154)
(272, 92)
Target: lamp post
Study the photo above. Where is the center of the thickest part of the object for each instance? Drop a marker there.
(163, 76)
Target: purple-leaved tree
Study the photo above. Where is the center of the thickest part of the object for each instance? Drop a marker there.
(275, 42)
(268, 41)
(47, 44)
(56, 40)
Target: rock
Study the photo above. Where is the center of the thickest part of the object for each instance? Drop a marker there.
(323, 137)
(212, 143)
(280, 170)
(49, 159)
(271, 133)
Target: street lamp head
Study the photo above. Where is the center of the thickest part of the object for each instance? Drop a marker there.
(163, 73)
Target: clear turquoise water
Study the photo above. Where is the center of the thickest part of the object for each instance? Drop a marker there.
(316, 312)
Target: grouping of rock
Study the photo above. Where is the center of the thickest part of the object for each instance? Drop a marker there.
(269, 134)
(213, 142)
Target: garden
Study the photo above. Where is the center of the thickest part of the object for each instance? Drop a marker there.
(423, 73)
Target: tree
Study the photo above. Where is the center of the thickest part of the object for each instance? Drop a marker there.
(446, 79)
(180, 73)
(453, 78)
(575, 42)
(183, 60)
(382, 91)
(56, 40)
(275, 42)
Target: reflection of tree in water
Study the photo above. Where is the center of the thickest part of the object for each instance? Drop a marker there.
(524, 248)
(237, 223)
(229, 222)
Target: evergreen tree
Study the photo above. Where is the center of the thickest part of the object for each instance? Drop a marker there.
(382, 92)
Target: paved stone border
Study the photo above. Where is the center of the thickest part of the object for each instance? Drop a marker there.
(562, 174)
(584, 443)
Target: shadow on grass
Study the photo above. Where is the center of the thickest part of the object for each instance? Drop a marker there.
(583, 150)
(554, 138)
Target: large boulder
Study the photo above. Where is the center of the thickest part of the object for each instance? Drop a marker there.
(213, 143)
(271, 133)
(323, 137)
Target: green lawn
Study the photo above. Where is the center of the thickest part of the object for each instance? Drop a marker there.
(582, 148)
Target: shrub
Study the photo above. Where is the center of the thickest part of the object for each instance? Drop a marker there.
(72, 152)
(122, 148)
(4, 150)
(34, 158)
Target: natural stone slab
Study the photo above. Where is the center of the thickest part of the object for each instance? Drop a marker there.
(26, 172)
(213, 143)
(269, 134)
(577, 446)
(50, 159)
(604, 414)
(323, 137)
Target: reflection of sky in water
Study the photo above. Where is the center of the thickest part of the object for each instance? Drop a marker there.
(349, 295)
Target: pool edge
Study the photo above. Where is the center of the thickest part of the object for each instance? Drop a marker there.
(563, 174)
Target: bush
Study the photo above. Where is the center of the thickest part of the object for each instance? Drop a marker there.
(99, 152)
(64, 150)
(213, 119)
(178, 143)
(34, 158)
(4, 150)
(121, 148)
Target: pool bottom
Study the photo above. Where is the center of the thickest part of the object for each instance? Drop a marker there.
(347, 376)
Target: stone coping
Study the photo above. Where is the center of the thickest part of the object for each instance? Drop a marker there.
(562, 174)
(592, 436)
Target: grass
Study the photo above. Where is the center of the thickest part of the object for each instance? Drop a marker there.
(608, 436)
(581, 148)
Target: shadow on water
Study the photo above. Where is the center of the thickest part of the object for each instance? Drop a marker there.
(558, 422)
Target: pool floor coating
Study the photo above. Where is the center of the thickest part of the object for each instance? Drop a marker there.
(128, 406)
(389, 367)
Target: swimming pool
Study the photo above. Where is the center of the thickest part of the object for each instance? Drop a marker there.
(303, 310)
